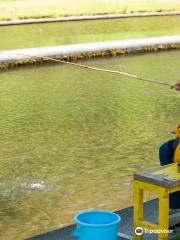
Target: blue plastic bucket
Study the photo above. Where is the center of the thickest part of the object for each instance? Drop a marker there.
(97, 225)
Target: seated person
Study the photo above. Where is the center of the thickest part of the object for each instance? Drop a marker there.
(169, 152)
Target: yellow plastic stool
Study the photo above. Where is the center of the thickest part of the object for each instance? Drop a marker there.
(163, 181)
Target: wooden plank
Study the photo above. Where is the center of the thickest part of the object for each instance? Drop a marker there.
(166, 176)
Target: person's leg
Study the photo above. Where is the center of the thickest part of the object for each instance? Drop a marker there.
(166, 153)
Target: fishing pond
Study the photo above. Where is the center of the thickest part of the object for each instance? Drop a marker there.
(60, 33)
(72, 138)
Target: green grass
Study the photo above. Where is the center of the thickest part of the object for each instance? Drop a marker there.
(23, 9)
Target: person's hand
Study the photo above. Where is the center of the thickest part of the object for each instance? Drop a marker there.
(176, 86)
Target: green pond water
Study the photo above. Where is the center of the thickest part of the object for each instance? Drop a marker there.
(38, 35)
(70, 138)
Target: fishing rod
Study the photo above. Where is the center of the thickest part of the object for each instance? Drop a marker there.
(98, 69)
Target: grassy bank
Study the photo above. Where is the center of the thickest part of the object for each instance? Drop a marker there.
(23, 9)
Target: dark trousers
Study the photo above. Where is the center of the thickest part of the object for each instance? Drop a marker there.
(166, 153)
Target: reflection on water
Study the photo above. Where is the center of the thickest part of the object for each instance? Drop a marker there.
(38, 35)
(70, 138)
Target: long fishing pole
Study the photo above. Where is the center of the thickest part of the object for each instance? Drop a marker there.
(98, 69)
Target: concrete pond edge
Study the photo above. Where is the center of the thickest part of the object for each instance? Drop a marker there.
(87, 17)
(73, 52)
